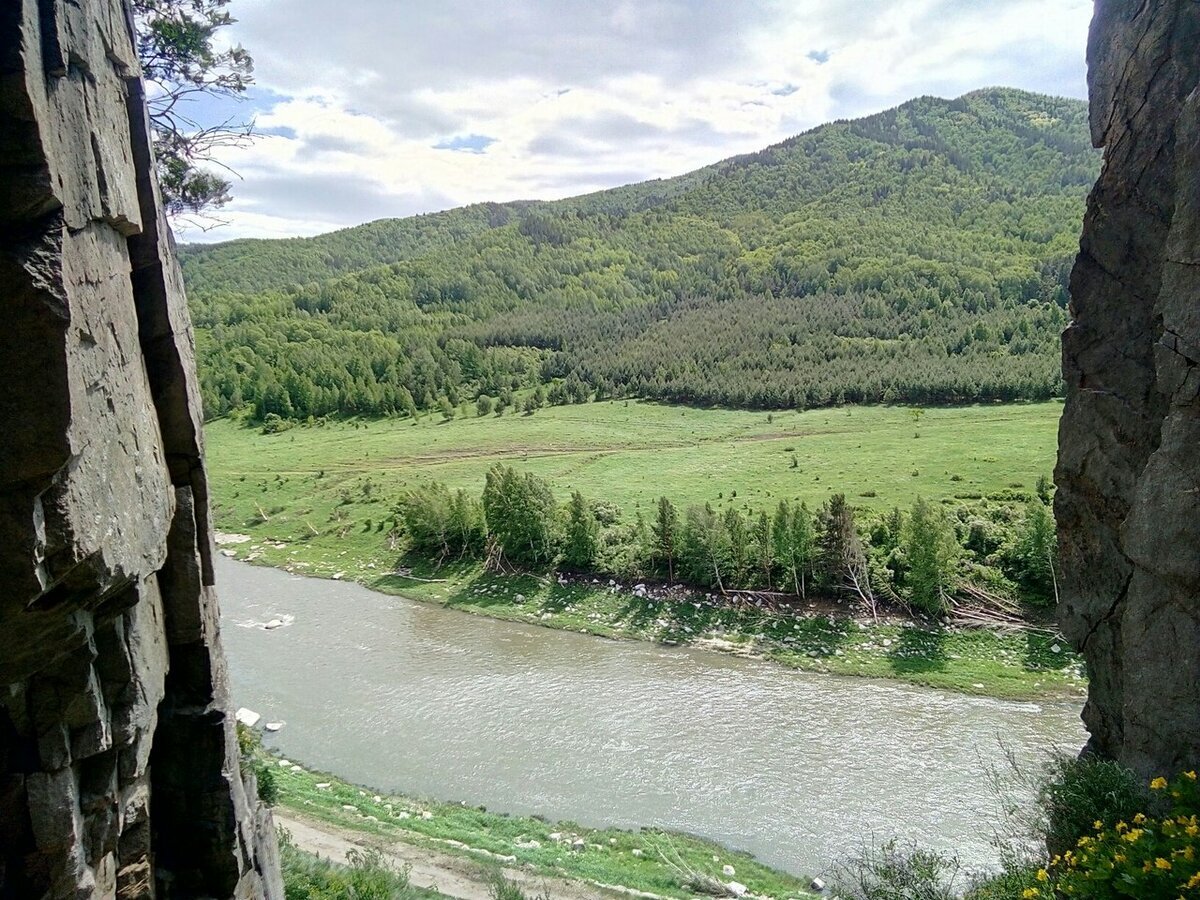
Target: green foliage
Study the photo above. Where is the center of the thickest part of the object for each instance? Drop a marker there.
(666, 536)
(519, 510)
(1031, 558)
(502, 888)
(705, 548)
(894, 871)
(1152, 855)
(1012, 883)
(252, 759)
(918, 256)
(794, 543)
(440, 524)
(366, 876)
(1077, 792)
(931, 556)
(182, 55)
(582, 534)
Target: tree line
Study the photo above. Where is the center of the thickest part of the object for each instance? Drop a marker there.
(920, 557)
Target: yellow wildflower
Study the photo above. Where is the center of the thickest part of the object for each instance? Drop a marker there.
(1194, 881)
(1030, 893)
(1139, 819)
(1190, 776)
(1121, 826)
(1043, 875)
(1161, 863)
(1098, 825)
(1158, 783)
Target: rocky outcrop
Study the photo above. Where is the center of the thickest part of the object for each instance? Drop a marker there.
(1128, 502)
(119, 769)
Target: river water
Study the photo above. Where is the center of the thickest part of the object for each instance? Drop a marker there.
(798, 769)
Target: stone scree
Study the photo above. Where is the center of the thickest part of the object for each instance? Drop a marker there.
(119, 767)
(1128, 502)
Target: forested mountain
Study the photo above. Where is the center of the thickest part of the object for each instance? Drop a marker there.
(918, 255)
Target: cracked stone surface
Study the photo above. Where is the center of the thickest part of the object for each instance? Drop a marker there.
(1128, 473)
(119, 769)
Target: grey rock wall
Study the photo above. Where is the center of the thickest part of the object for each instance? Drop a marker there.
(119, 770)
(1128, 501)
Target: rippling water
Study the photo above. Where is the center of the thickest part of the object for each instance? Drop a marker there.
(798, 769)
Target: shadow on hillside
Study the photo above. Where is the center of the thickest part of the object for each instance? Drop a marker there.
(919, 650)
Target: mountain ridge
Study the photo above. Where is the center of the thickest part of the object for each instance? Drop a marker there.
(864, 255)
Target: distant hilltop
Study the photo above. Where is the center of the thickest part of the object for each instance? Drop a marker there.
(917, 255)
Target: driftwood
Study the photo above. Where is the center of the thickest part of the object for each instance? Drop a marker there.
(404, 573)
(977, 607)
(689, 878)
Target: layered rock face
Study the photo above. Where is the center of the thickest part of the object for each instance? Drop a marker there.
(119, 769)
(1128, 503)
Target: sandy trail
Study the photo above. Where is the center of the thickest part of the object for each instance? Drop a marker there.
(454, 876)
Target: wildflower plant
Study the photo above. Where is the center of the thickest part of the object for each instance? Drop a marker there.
(1152, 855)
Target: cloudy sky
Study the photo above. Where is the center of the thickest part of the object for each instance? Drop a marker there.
(374, 108)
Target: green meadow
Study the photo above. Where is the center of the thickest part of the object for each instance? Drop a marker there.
(631, 453)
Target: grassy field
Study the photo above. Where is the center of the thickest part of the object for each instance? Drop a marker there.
(314, 500)
(633, 453)
(646, 860)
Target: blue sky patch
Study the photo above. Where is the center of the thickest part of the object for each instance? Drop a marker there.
(466, 143)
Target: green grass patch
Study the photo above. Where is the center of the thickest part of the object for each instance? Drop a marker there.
(645, 860)
(631, 454)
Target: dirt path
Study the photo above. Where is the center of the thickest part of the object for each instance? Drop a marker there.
(446, 873)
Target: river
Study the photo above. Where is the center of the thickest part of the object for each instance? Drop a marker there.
(797, 768)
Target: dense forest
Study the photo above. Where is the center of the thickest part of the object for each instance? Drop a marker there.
(919, 255)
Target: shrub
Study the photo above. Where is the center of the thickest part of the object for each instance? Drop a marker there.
(502, 888)
(367, 875)
(1011, 884)
(1079, 792)
(1147, 856)
(892, 871)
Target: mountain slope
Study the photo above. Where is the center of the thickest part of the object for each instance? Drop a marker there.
(919, 254)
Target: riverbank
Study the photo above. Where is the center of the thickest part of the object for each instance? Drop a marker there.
(818, 637)
(456, 849)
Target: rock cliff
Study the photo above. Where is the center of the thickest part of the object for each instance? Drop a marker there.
(1128, 502)
(119, 769)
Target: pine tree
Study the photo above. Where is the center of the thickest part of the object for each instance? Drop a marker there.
(582, 534)
(666, 525)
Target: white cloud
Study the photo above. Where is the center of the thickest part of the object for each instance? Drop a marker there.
(369, 105)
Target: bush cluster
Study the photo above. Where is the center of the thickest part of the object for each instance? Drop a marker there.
(918, 557)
